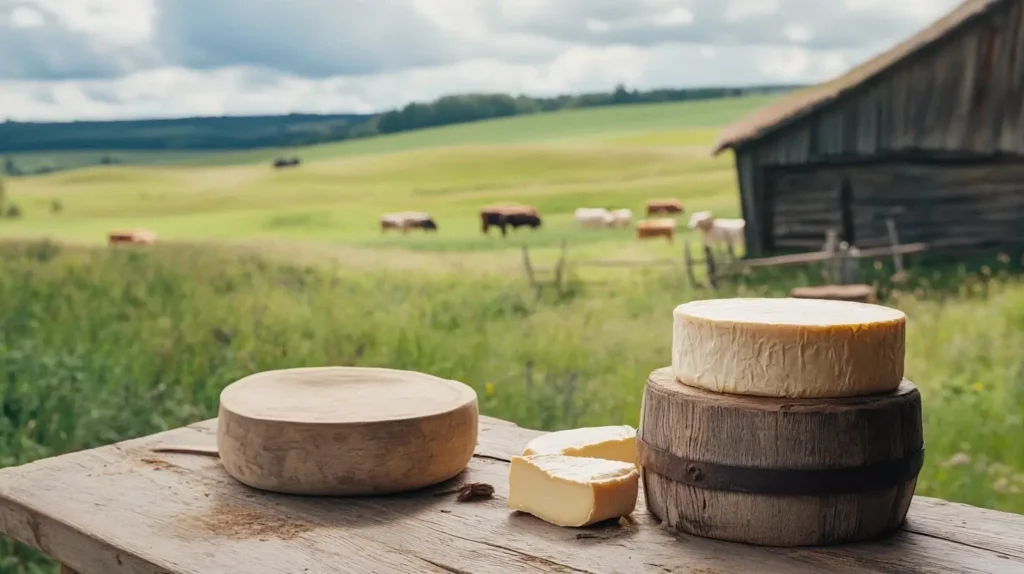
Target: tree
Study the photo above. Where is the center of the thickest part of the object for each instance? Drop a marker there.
(10, 167)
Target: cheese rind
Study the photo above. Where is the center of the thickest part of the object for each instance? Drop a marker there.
(572, 491)
(786, 347)
(608, 442)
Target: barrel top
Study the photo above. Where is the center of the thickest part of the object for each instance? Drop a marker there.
(664, 381)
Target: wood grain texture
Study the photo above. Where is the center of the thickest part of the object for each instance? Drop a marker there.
(345, 431)
(121, 509)
(778, 434)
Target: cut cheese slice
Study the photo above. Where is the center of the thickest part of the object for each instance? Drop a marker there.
(572, 490)
(609, 442)
(793, 348)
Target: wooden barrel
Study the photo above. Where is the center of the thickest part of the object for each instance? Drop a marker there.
(779, 472)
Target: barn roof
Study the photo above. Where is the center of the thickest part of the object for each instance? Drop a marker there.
(802, 103)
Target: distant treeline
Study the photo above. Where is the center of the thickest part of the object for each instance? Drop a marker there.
(249, 132)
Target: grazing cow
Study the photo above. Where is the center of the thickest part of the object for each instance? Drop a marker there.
(594, 217)
(503, 216)
(667, 206)
(651, 228)
(622, 217)
(407, 220)
(131, 236)
(714, 231)
(286, 162)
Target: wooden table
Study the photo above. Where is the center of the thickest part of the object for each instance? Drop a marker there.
(123, 509)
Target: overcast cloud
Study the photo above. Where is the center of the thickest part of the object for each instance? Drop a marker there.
(98, 59)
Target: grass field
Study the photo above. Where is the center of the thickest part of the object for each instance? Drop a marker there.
(104, 344)
(616, 156)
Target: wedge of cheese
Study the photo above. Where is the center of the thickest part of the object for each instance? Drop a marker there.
(572, 490)
(793, 348)
(609, 442)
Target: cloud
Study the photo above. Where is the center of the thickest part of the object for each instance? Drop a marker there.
(69, 59)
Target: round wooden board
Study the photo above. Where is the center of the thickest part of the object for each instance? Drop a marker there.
(719, 445)
(344, 431)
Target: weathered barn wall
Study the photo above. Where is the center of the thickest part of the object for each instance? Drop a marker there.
(946, 204)
(960, 100)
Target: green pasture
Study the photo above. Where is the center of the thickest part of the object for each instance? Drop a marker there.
(613, 157)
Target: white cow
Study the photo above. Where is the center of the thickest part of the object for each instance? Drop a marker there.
(714, 231)
(622, 217)
(594, 217)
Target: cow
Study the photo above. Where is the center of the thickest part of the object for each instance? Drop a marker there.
(286, 162)
(503, 216)
(666, 206)
(131, 236)
(622, 217)
(594, 217)
(407, 220)
(714, 231)
(651, 228)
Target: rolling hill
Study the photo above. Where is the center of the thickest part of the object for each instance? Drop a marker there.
(614, 156)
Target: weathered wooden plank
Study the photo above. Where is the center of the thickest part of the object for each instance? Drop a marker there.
(1001, 532)
(121, 509)
(819, 256)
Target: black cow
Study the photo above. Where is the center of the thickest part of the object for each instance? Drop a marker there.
(426, 225)
(286, 162)
(504, 220)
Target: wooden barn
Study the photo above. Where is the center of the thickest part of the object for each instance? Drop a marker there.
(930, 133)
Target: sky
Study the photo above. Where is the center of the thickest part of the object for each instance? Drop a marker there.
(119, 59)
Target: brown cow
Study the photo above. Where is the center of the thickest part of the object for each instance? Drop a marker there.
(668, 206)
(651, 228)
(503, 216)
(133, 236)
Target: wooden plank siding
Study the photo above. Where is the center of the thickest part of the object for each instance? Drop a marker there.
(945, 204)
(960, 100)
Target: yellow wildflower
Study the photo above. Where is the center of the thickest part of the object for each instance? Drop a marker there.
(489, 390)
(978, 386)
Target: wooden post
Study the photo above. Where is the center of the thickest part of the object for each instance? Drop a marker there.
(849, 264)
(688, 260)
(560, 268)
(709, 258)
(831, 269)
(67, 570)
(529, 270)
(894, 239)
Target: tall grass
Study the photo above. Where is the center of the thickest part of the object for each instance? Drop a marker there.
(103, 345)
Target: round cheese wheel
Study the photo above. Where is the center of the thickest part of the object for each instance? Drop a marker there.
(786, 347)
(341, 431)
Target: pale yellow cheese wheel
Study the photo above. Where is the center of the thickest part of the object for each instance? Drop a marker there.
(345, 430)
(786, 347)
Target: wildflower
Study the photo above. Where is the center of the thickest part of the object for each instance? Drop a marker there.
(977, 386)
(1003, 486)
(489, 390)
(958, 459)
